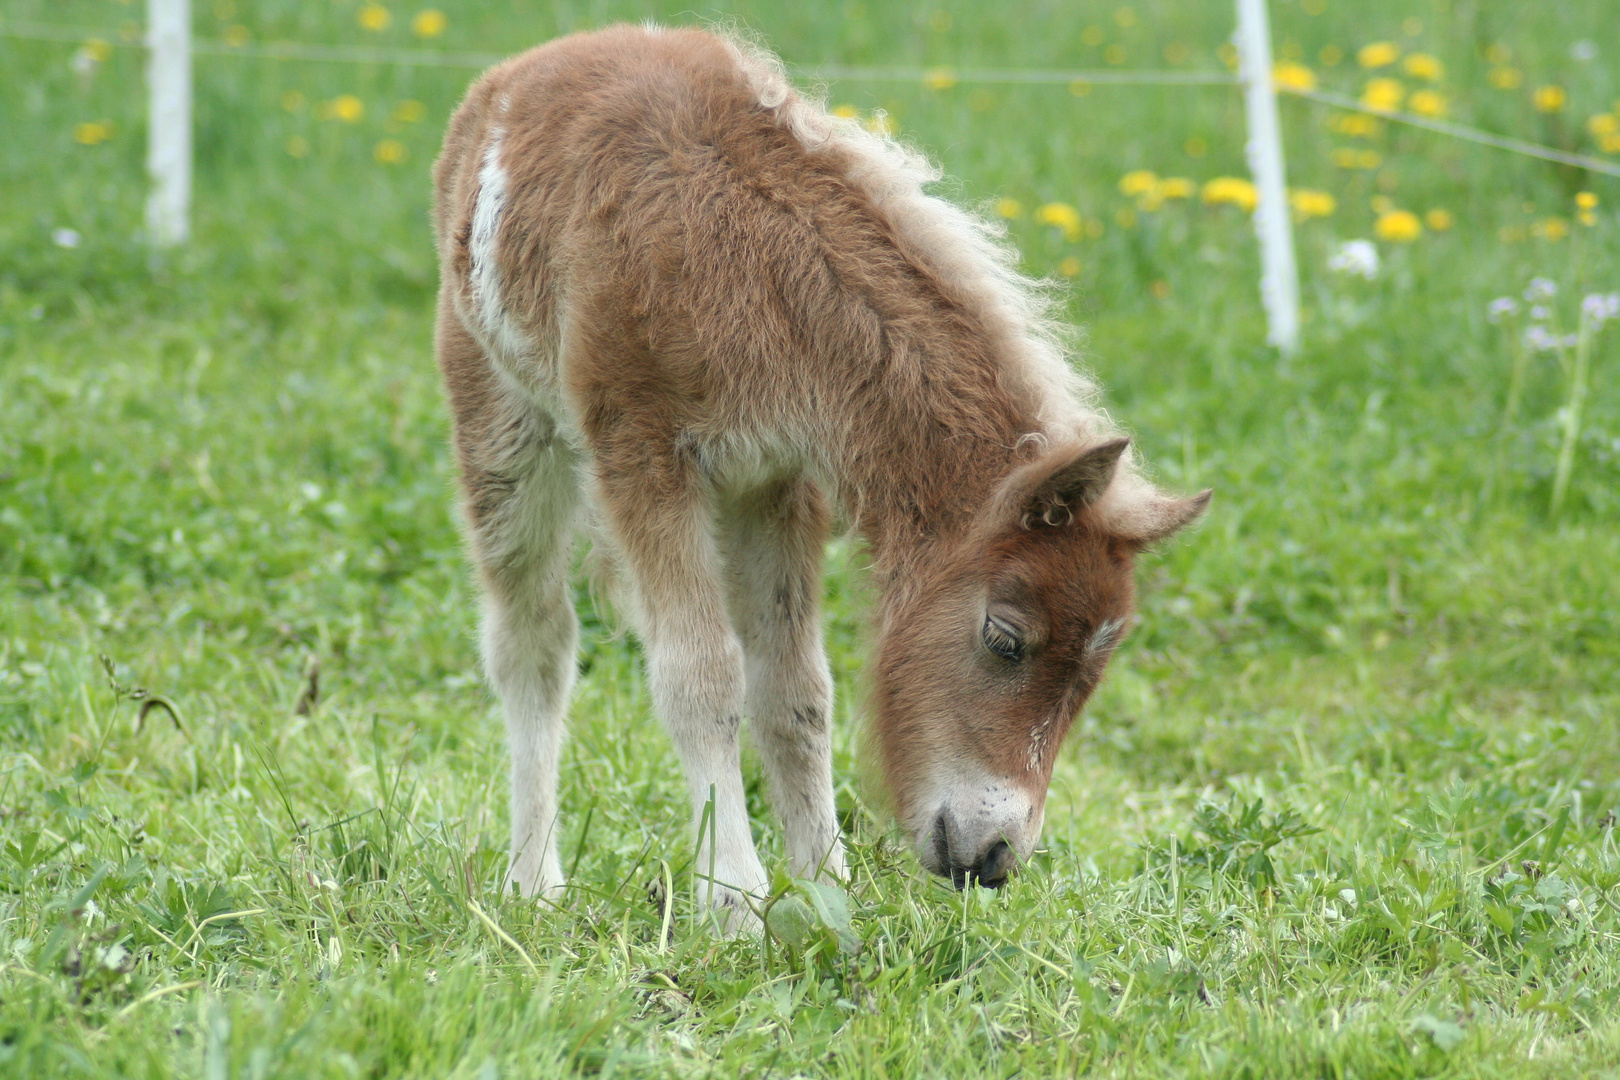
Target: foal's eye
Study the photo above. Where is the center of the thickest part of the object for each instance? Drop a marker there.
(1002, 639)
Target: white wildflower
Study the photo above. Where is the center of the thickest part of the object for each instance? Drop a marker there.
(1539, 339)
(1540, 313)
(1540, 289)
(66, 238)
(84, 62)
(1583, 51)
(1599, 308)
(1357, 257)
(1502, 307)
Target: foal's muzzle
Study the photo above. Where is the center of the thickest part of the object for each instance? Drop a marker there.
(989, 866)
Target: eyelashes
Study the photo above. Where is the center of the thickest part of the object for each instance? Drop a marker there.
(1003, 639)
(1008, 642)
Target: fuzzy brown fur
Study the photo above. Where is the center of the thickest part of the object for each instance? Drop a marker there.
(713, 317)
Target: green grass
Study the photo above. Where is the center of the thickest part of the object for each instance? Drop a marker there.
(1344, 806)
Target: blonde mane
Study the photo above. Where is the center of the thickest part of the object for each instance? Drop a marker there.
(968, 254)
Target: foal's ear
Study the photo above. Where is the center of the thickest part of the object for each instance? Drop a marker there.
(1143, 516)
(1052, 490)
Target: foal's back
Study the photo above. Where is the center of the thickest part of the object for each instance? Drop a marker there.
(656, 214)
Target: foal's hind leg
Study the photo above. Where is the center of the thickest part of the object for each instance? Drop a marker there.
(521, 498)
(773, 550)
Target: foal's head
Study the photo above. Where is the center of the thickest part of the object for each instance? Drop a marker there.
(987, 656)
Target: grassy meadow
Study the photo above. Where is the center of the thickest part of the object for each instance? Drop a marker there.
(1344, 806)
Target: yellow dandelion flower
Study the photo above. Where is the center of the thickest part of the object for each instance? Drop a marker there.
(1069, 267)
(237, 36)
(1062, 216)
(1356, 125)
(1009, 208)
(292, 101)
(390, 152)
(1368, 159)
(1227, 54)
(1079, 88)
(1125, 218)
(1092, 35)
(1423, 66)
(298, 146)
(1331, 56)
(1231, 191)
(1586, 217)
(1307, 204)
(1439, 220)
(1610, 143)
(1427, 103)
(1288, 75)
(1550, 98)
(848, 112)
(1125, 17)
(1343, 157)
(1603, 124)
(1139, 182)
(97, 50)
(1506, 78)
(93, 132)
(1114, 54)
(1398, 226)
(346, 107)
(1381, 204)
(429, 23)
(1498, 53)
(1553, 228)
(1176, 187)
(409, 112)
(1383, 95)
(881, 123)
(374, 17)
(939, 79)
(1378, 54)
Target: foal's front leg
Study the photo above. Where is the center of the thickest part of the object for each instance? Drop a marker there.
(773, 552)
(659, 515)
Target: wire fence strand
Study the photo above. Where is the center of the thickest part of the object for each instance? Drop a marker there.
(938, 76)
(1460, 131)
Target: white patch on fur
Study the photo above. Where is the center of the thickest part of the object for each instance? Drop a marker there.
(980, 809)
(500, 334)
(1103, 640)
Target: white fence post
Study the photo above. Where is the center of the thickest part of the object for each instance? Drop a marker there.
(168, 147)
(1279, 276)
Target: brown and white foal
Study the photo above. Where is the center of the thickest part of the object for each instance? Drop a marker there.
(687, 308)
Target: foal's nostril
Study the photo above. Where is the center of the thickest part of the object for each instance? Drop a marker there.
(942, 846)
(997, 864)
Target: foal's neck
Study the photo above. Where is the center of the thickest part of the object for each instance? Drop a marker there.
(927, 447)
